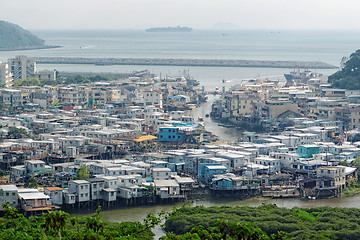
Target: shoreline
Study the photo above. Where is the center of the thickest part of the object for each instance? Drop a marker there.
(29, 48)
(185, 62)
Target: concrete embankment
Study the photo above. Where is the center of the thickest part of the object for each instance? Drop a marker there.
(184, 62)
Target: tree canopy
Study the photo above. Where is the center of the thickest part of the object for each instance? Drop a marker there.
(31, 183)
(300, 223)
(77, 79)
(59, 225)
(82, 173)
(349, 76)
(17, 133)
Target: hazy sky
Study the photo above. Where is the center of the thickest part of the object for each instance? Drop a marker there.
(140, 14)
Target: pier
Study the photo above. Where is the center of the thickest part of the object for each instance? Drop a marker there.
(184, 62)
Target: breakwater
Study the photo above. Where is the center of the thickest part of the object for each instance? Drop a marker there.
(184, 62)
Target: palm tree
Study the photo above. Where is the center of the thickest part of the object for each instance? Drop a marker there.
(55, 220)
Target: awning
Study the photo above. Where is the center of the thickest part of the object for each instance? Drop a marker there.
(144, 138)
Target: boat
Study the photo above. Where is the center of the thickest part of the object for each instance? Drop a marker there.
(169, 29)
(301, 76)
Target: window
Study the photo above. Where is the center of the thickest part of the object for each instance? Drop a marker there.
(7, 194)
(81, 195)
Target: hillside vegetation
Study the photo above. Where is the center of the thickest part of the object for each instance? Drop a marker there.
(349, 76)
(13, 36)
(60, 225)
(299, 223)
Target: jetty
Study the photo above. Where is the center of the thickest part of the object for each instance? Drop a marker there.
(185, 62)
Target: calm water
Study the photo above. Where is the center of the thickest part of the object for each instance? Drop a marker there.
(227, 135)
(327, 46)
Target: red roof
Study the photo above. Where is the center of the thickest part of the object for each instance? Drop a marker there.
(53, 188)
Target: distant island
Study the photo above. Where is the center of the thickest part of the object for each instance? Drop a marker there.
(14, 37)
(169, 29)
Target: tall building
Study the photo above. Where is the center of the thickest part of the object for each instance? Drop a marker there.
(22, 68)
(5, 75)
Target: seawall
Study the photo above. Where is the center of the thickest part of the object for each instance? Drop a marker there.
(185, 62)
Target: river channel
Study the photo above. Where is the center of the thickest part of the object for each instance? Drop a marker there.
(227, 135)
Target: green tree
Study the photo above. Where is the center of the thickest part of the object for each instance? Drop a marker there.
(56, 102)
(16, 133)
(82, 173)
(31, 183)
(342, 163)
(224, 230)
(27, 82)
(349, 76)
(55, 220)
(356, 163)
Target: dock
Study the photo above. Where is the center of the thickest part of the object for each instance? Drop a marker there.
(185, 62)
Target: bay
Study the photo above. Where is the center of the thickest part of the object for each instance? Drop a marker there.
(291, 45)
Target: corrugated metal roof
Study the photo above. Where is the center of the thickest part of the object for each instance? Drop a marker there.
(29, 196)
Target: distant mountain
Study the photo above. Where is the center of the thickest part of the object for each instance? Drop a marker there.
(169, 29)
(13, 37)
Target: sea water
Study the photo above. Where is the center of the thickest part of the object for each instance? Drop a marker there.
(286, 45)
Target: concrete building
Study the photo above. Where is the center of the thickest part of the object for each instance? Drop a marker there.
(160, 173)
(81, 189)
(273, 164)
(5, 75)
(170, 134)
(9, 194)
(34, 166)
(335, 172)
(46, 75)
(167, 188)
(56, 195)
(22, 68)
(97, 185)
(153, 97)
(11, 97)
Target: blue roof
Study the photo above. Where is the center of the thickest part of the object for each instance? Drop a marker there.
(177, 97)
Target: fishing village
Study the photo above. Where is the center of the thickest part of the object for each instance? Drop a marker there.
(135, 141)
